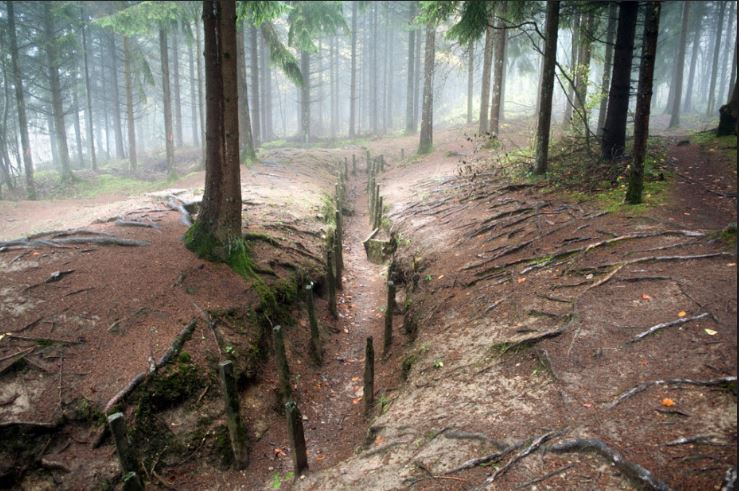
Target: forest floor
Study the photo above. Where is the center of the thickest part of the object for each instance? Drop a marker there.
(522, 306)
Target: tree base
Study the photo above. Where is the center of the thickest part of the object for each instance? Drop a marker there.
(233, 251)
(727, 122)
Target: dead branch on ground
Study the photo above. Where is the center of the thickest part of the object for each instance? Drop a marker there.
(717, 382)
(665, 325)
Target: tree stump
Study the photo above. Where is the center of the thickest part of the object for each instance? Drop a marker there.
(126, 456)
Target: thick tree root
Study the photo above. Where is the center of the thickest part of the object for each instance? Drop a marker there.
(121, 222)
(546, 476)
(493, 457)
(633, 471)
(66, 241)
(170, 354)
(697, 439)
(729, 482)
(533, 446)
(677, 381)
(665, 325)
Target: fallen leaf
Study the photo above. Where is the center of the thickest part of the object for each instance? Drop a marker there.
(279, 452)
(589, 276)
(646, 296)
(732, 265)
(320, 457)
(355, 379)
(379, 440)
(666, 402)
(356, 401)
(440, 277)
(587, 405)
(710, 332)
(682, 313)
(521, 280)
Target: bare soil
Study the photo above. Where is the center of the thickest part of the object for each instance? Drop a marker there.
(474, 383)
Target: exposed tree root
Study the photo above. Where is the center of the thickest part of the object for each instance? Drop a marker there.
(677, 381)
(650, 259)
(532, 447)
(729, 482)
(171, 353)
(176, 204)
(697, 439)
(42, 339)
(493, 457)
(633, 471)
(65, 241)
(546, 476)
(121, 222)
(665, 325)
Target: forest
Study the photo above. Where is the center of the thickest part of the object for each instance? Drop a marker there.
(349, 245)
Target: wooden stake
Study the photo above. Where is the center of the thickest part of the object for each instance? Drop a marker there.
(346, 167)
(126, 456)
(338, 252)
(369, 377)
(316, 350)
(402, 154)
(388, 339)
(354, 165)
(297, 438)
(382, 163)
(236, 429)
(283, 370)
(378, 212)
(330, 279)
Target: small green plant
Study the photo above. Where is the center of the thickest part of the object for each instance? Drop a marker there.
(229, 349)
(428, 277)
(438, 363)
(278, 480)
(384, 402)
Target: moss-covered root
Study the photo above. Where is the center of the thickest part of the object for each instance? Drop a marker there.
(232, 251)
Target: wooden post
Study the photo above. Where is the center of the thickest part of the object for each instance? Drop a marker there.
(378, 212)
(388, 339)
(368, 159)
(338, 253)
(337, 193)
(369, 377)
(382, 163)
(283, 370)
(330, 279)
(236, 429)
(402, 154)
(316, 350)
(354, 165)
(126, 456)
(297, 438)
(346, 167)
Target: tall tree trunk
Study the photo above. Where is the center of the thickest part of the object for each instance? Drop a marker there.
(427, 118)
(714, 66)
(176, 86)
(88, 106)
(470, 78)
(255, 113)
(387, 71)
(721, 96)
(373, 73)
(546, 89)
(305, 97)
(265, 73)
(332, 86)
(193, 95)
(167, 102)
(20, 102)
(607, 65)
(52, 136)
(201, 102)
(498, 74)
(614, 131)
(52, 63)
(129, 105)
(319, 58)
(409, 95)
(643, 103)
(732, 79)
(216, 234)
(679, 64)
(417, 81)
(487, 62)
(103, 96)
(697, 33)
(582, 74)
(575, 44)
(245, 130)
(117, 130)
(353, 81)
(77, 128)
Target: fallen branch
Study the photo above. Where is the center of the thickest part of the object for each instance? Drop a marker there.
(697, 439)
(677, 381)
(41, 339)
(633, 471)
(176, 204)
(170, 354)
(64, 241)
(549, 475)
(665, 325)
(17, 353)
(53, 465)
(533, 446)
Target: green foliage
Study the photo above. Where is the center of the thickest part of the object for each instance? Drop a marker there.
(308, 20)
(257, 12)
(278, 480)
(144, 18)
(280, 56)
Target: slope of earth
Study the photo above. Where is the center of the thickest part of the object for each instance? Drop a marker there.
(553, 345)
(80, 321)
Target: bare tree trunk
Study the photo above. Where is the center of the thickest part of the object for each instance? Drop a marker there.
(614, 131)
(417, 81)
(499, 66)
(88, 106)
(129, 106)
(176, 76)
(487, 62)
(427, 120)
(546, 90)
(353, 81)
(388, 65)
(266, 82)
(575, 44)
(245, 131)
(714, 66)
(52, 60)
(373, 73)
(470, 79)
(167, 103)
(216, 234)
(193, 96)
(103, 95)
(732, 79)
(201, 106)
(332, 86)
(255, 114)
(721, 95)
(20, 103)
(643, 103)
(697, 33)
(319, 83)
(409, 96)
(679, 64)
(77, 130)
(120, 153)
(583, 72)
(607, 65)
(305, 97)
